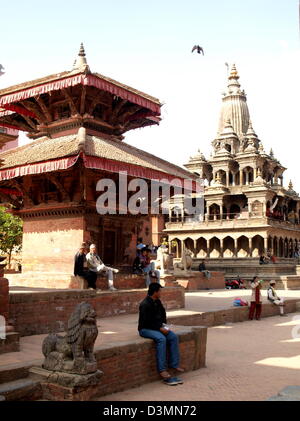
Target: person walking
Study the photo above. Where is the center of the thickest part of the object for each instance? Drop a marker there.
(274, 299)
(256, 299)
(95, 266)
(152, 325)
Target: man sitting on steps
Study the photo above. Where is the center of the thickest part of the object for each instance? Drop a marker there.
(95, 265)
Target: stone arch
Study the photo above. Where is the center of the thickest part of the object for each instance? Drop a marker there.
(201, 247)
(257, 246)
(214, 211)
(189, 245)
(234, 211)
(214, 247)
(243, 246)
(281, 247)
(228, 247)
(176, 247)
(176, 213)
(275, 246)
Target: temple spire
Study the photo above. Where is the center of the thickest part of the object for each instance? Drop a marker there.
(81, 62)
(234, 106)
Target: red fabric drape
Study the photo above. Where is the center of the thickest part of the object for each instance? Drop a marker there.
(89, 80)
(133, 170)
(38, 168)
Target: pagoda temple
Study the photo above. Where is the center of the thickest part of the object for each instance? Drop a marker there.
(248, 211)
(76, 120)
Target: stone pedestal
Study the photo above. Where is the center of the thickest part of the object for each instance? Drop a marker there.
(168, 280)
(61, 386)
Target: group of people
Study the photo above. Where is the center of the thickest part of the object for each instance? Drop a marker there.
(142, 263)
(88, 265)
(256, 298)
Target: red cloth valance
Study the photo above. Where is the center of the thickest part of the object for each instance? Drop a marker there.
(92, 162)
(89, 80)
(38, 168)
(132, 170)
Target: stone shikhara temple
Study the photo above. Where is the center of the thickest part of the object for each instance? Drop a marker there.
(77, 120)
(248, 212)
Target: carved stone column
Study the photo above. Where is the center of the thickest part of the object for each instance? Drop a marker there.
(235, 247)
(250, 247)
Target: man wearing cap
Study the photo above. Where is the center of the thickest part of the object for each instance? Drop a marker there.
(152, 325)
(95, 265)
(273, 297)
(80, 263)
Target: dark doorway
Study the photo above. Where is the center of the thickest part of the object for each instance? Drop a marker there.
(109, 247)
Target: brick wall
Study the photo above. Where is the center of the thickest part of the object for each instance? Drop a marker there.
(45, 312)
(50, 243)
(140, 366)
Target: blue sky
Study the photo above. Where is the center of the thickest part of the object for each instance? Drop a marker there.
(147, 45)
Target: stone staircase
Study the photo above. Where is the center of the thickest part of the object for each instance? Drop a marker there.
(16, 384)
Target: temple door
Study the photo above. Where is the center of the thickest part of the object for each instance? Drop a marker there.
(109, 247)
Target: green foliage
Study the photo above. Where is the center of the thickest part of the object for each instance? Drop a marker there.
(10, 232)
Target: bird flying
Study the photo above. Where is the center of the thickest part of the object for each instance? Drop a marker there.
(1, 68)
(198, 49)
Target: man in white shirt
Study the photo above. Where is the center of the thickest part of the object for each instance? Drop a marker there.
(95, 265)
(273, 297)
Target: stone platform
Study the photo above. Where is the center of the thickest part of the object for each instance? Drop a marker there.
(197, 281)
(68, 281)
(34, 310)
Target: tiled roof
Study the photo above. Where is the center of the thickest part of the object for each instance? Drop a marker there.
(45, 149)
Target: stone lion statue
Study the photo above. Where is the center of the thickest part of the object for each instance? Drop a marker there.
(186, 261)
(73, 353)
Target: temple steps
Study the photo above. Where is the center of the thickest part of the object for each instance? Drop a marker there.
(25, 389)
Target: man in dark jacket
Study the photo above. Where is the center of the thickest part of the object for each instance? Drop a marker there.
(152, 325)
(80, 264)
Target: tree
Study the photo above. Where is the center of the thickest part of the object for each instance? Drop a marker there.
(11, 228)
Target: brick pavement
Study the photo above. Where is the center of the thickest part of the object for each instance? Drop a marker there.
(249, 361)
